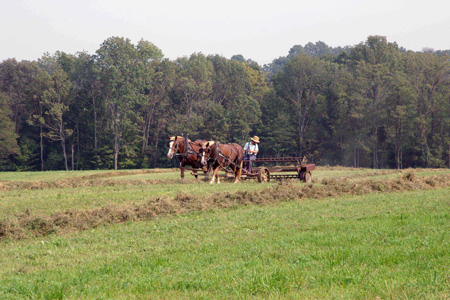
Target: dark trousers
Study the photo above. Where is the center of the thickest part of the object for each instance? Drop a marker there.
(250, 158)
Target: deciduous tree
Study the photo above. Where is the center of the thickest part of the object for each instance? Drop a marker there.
(8, 138)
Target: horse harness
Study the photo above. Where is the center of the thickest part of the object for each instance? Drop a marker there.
(218, 153)
(188, 150)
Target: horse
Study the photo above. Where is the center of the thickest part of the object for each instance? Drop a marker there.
(223, 156)
(187, 152)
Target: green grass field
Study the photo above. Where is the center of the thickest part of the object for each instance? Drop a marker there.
(374, 245)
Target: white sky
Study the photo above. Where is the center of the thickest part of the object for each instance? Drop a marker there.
(259, 30)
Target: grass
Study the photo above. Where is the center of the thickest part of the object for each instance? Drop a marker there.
(372, 246)
(44, 176)
(95, 189)
(95, 174)
(391, 246)
(48, 201)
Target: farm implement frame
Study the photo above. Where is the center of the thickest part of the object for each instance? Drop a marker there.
(301, 170)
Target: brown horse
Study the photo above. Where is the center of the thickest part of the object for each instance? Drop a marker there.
(223, 156)
(187, 152)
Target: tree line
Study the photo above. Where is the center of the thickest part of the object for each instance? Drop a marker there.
(374, 105)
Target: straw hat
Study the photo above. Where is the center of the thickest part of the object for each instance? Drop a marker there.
(255, 139)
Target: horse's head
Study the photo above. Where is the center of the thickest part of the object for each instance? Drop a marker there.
(205, 151)
(173, 146)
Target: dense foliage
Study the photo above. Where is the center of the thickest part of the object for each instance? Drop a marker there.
(371, 105)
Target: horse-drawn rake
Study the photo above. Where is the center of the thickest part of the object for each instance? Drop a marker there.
(300, 170)
(228, 158)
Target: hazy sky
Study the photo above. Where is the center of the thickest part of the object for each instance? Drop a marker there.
(259, 30)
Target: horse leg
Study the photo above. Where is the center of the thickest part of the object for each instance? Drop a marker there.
(213, 177)
(235, 173)
(238, 173)
(194, 172)
(182, 173)
(206, 175)
(206, 172)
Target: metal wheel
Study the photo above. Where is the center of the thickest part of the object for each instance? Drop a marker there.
(307, 177)
(263, 175)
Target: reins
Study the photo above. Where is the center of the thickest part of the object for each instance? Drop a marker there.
(187, 150)
(218, 154)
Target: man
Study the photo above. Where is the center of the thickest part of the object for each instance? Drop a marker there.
(251, 150)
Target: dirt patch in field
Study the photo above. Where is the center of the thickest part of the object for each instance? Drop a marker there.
(28, 225)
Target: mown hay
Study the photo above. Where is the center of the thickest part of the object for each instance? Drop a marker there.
(28, 225)
(87, 181)
(76, 183)
(410, 176)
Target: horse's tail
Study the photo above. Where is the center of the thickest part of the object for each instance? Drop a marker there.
(237, 161)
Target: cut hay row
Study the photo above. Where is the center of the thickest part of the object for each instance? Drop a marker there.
(85, 181)
(103, 179)
(28, 225)
(76, 183)
(125, 173)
